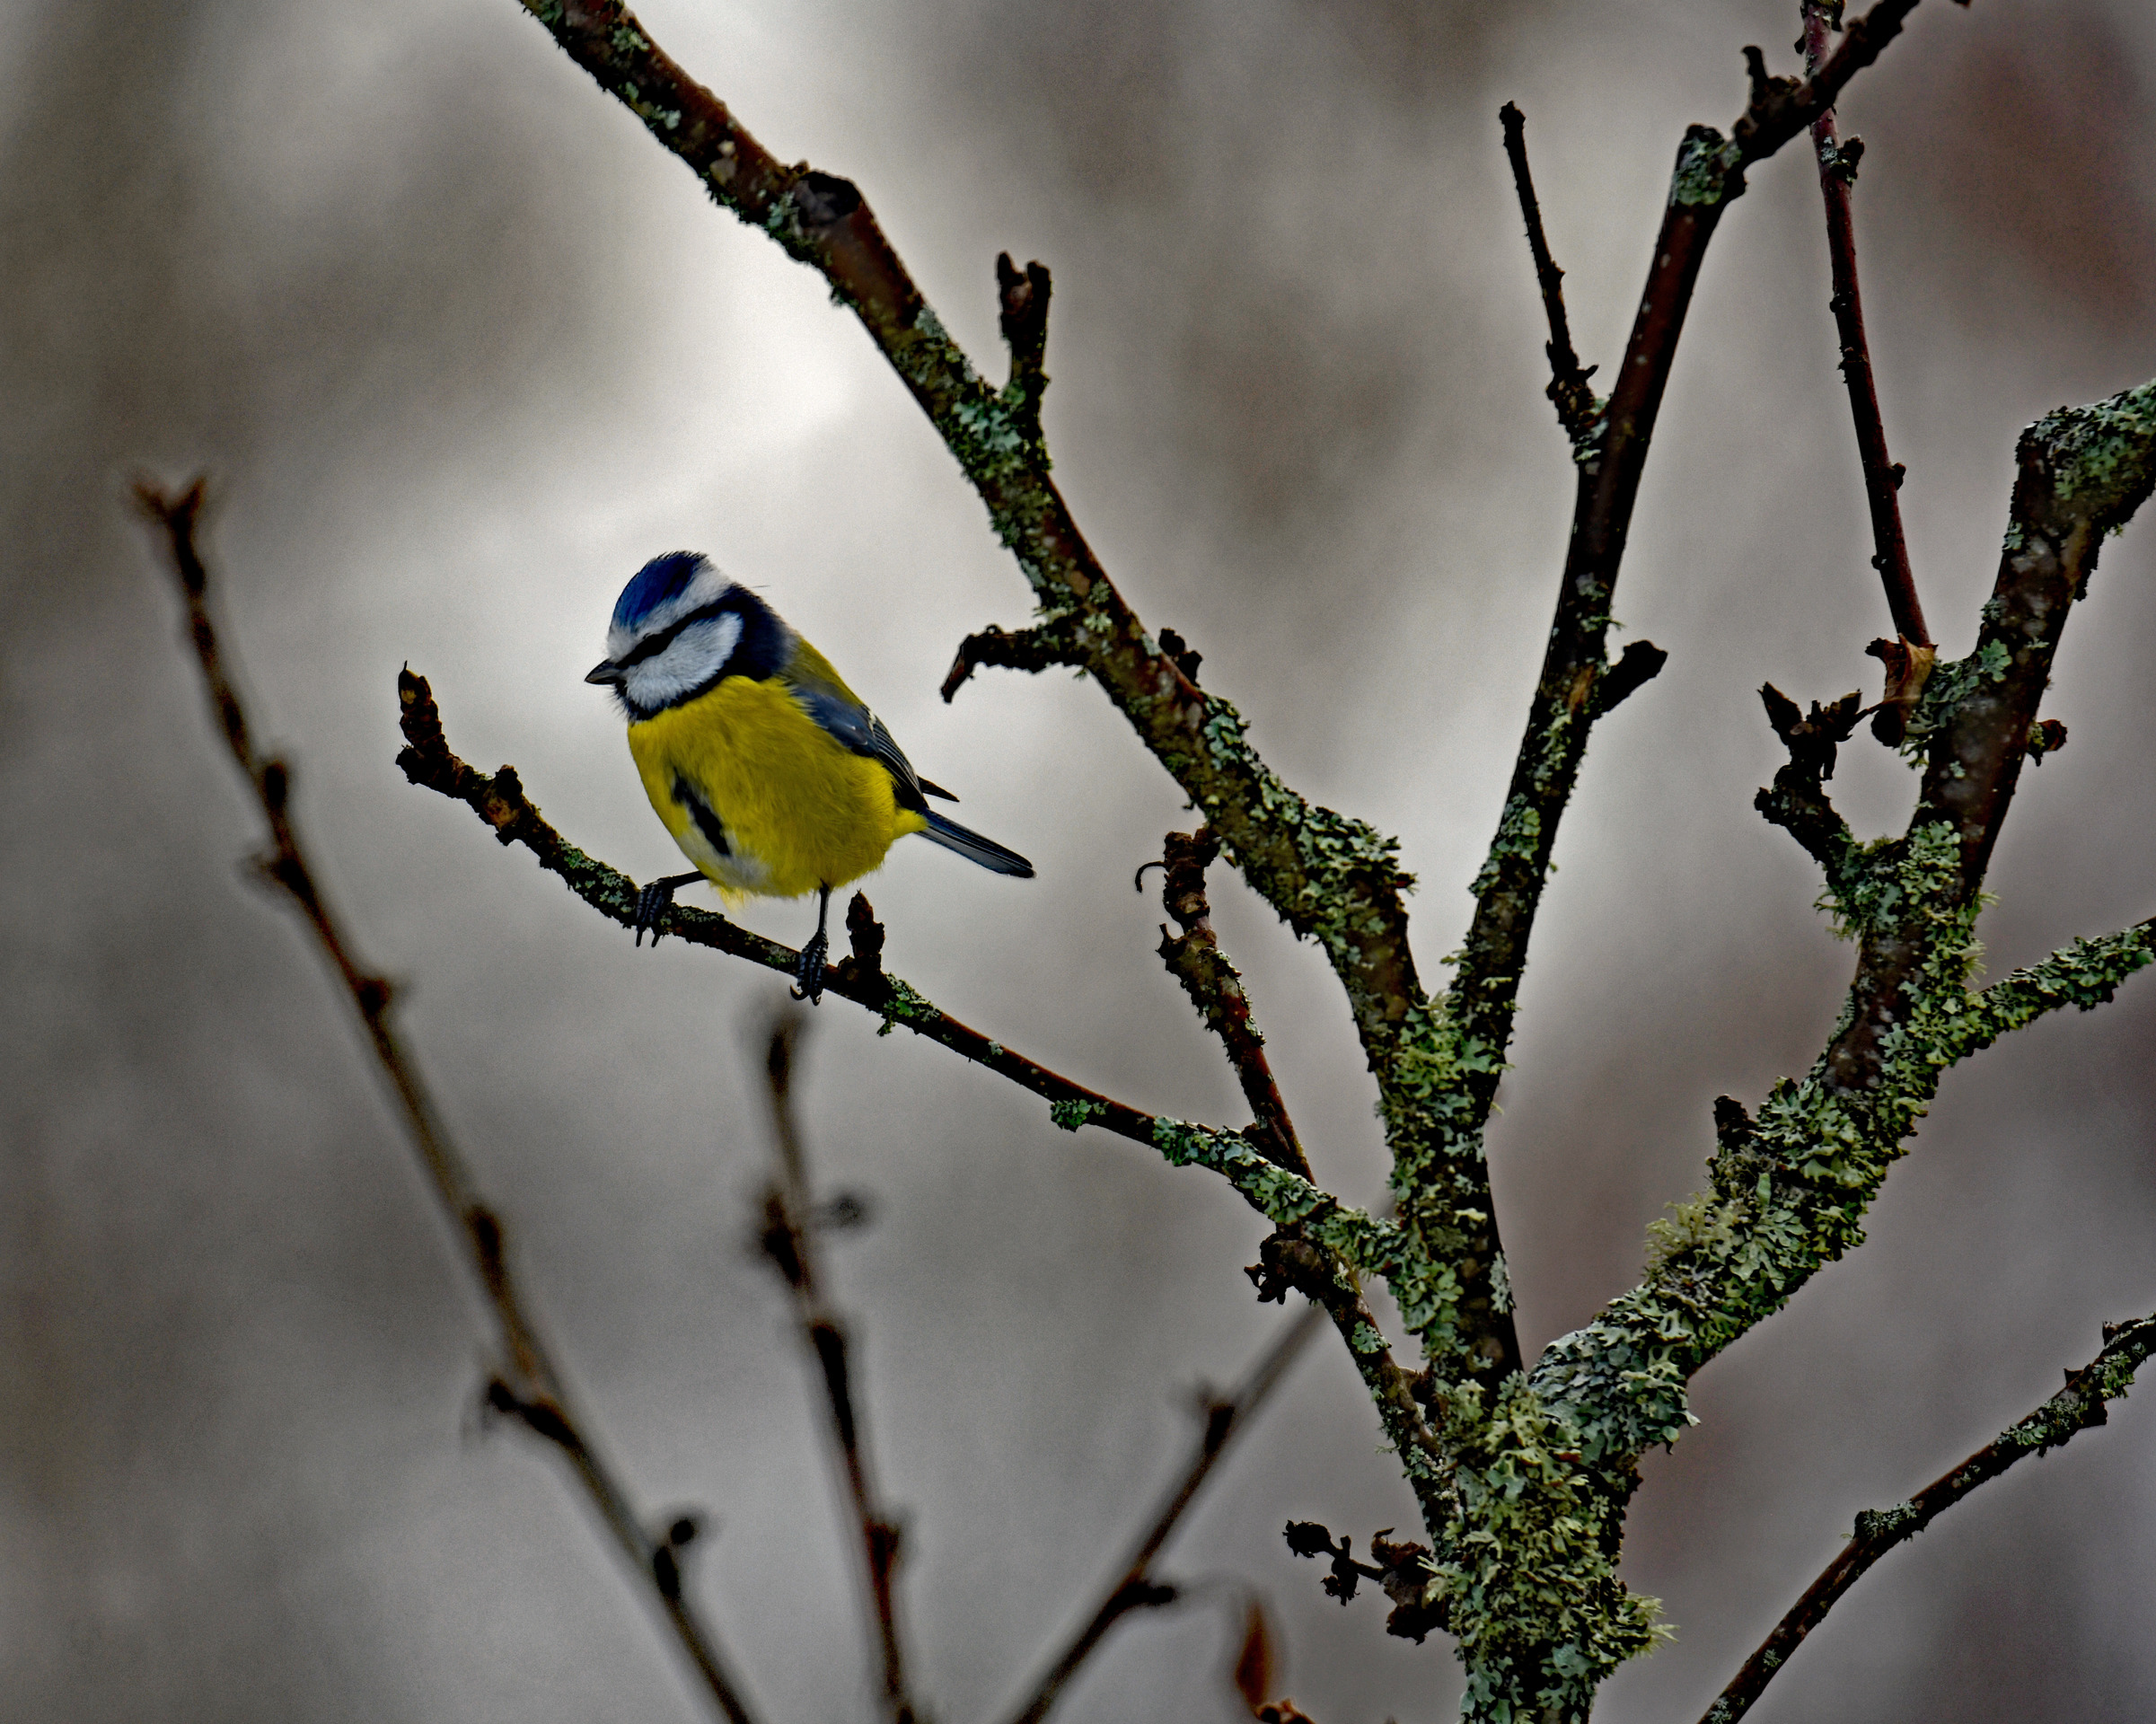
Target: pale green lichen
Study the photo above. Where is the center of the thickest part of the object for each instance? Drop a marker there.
(1525, 1571)
(1897, 1521)
(1072, 1113)
(1709, 168)
(2103, 451)
(1815, 1159)
(1698, 1222)
(902, 1004)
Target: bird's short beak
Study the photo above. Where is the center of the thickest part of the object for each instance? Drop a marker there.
(604, 671)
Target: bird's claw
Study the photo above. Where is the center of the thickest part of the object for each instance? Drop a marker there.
(653, 902)
(809, 972)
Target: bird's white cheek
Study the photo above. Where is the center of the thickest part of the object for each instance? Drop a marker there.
(692, 659)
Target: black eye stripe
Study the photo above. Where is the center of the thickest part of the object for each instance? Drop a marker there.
(656, 643)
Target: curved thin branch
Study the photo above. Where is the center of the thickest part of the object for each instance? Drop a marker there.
(1022, 649)
(1215, 987)
(501, 801)
(1283, 1197)
(2082, 1404)
(529, 1387)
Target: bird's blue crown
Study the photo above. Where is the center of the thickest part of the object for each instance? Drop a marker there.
(658, 583)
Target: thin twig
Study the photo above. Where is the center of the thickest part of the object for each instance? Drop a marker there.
(2084, 1402)
(1022, 649)
(1134, 1586)
(500, 802)
(1826, 1142)
(1575, 401)
(789, 1240)
(1288, 1258)
(1882, 478)
(1208, 976)
(1709, 175)
(528, 1388)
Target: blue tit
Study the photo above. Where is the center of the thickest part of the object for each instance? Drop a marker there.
(771, 773)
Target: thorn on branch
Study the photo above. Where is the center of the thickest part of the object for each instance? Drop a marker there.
(539, 1415)
(1811, 739)
(864, 969)
(1798, 802)
(1186, 659)
(1144, 1594)
(1024, 318)
(668, 1551)
(1732, 1124)
(1402, 1570)
(1840, 158)
(1025, 649)
(1639, 664)
(823, 200)
(1288, 1263)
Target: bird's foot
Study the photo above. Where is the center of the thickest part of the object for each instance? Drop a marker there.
(653, 902)
(809, 971)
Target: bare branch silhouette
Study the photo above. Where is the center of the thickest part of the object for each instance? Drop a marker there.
(2082, 1404)
(1135, 1586)
(528, 1386)
(789, 1240)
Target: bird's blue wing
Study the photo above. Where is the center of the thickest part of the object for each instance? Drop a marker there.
(862, 732)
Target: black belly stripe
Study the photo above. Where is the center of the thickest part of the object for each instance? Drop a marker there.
(700, 811)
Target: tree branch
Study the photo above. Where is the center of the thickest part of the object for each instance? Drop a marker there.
(1134, 1586)
(1484, 999)
(1023, 649)
(529, 1387)
(1283, 1197)
(1798, 802)
(1195, 958)
(2082, 1404)
(790, 1241)
(1882, 478)
(1792, 1189)
(1568, 390)
(1330, 877)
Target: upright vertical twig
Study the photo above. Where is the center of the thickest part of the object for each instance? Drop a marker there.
(1568, 389)
(527, 1387)
(790, 1224)
(1882, 478)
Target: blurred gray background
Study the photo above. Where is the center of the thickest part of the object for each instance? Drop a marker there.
(462, 348)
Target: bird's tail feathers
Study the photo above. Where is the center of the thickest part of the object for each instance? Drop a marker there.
(974, 847)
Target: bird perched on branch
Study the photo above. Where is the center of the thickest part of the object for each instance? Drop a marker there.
(772, 775)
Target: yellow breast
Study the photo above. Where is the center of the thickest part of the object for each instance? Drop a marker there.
(794, 808)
